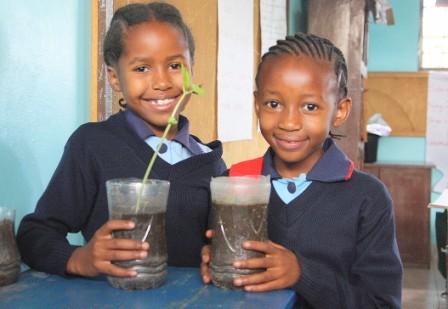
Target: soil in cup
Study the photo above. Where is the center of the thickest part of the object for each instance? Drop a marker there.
(9, 254)
(234, 224)
(152, 270)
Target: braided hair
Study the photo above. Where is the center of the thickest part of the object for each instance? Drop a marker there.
(315, 47)
(137, 13)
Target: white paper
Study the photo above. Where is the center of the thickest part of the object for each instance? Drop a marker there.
(235, 69)
(442, 201)
(437, 125)
(273, 22)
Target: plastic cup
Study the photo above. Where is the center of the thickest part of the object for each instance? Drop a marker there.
(9, 253)
(149, 218)
(239, 213)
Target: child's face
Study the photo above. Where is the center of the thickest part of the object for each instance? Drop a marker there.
(148, 72)
(297, 104)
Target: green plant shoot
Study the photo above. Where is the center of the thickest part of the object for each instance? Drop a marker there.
(188, 88)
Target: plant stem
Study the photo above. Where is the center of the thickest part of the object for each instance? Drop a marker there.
(172, 120)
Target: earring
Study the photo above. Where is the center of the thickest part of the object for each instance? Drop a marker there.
(122, 104)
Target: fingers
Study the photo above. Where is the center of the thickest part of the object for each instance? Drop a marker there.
(267, 286)
(106, 230)
(205, 254)
(263, 262)
(255, 279)
(123, 255)
(125, 244)
(265, 247)
(282, 268)
(205, 274)
(209, 234)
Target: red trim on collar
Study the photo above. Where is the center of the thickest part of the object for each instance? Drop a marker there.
(245, 168)
(351, 167)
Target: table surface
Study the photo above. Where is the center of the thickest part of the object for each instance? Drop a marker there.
(183, 289)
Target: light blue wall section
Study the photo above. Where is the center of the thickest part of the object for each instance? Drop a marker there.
(395, 48)
(403, 149)
(297, 16)
(44, 87)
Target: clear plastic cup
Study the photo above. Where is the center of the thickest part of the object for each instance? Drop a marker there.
(149, 218)
(9, 253)
(239, 213)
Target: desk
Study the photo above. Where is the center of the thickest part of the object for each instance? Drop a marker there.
(183, 289)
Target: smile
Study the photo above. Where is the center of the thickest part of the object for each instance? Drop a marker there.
(290, 144)
(162, 104)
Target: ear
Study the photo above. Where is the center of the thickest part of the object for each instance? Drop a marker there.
(342, 112)
(114, 81)
(257, 104)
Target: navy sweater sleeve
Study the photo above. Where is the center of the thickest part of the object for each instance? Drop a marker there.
(376, 271)
(61, 209)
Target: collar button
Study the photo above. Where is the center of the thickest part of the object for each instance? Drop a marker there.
(291, 187)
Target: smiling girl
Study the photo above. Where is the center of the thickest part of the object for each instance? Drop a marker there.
(331, 227)
(144, 49)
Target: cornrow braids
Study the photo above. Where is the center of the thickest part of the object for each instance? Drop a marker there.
(315, 47)
(134, 14)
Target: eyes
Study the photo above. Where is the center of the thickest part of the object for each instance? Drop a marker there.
(278, 106)
(175, 66)
(141, 69)
(311, 107)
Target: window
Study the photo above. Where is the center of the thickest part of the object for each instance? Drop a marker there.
(434, 47)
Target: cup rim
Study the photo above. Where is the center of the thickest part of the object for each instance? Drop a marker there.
(7, 213)
(135, 180)
(242, 179)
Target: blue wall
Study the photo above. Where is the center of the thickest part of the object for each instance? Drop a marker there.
(44, 86)
(297, 16)
(395, 48)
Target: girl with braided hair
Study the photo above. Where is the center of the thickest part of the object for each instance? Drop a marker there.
(331, 227)
(145, 48)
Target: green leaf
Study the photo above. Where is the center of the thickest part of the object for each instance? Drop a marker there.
(172, 120)
(197, 89)
(186, 81)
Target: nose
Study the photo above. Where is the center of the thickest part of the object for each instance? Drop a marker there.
(161, 80)
(291, 119)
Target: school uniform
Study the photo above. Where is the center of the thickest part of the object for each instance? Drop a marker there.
(121, 147)
(341, 228)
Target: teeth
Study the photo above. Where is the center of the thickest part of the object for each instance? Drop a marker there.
(162, 101)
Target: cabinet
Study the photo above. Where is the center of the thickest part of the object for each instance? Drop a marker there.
(410, 188)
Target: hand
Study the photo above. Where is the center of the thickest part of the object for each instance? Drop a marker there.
(282, 268)
(97, 255)
(205, 256)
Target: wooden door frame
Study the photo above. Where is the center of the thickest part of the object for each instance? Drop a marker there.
(100, 91)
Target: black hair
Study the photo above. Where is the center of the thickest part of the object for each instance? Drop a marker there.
(134, 14)
(314, 47)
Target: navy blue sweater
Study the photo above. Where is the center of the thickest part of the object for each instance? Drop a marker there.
(342, 230)
(75, 199)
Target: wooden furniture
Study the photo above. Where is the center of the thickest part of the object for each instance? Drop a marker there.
(410, 188)
(183, 289)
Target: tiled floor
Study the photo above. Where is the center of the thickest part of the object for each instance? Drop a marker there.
(422, 288)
